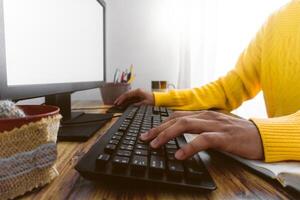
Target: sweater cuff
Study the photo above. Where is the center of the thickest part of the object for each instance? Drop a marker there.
(280, 137)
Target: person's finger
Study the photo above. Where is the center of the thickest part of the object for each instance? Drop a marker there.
(183, 125)
(202, 142)
(118, 99)
(122, 98)
(152, 133)
(127, 95)
(167, 134)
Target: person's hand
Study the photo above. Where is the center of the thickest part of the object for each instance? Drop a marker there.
(216, 131)
(137, 96)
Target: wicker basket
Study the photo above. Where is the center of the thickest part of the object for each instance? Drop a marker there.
(27, 156)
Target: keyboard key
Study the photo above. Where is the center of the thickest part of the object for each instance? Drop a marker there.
(144, 130)
(119, 134)
(156, 118)
(171, 146)
(116, 137)
(124, 125)
(146, 126)
(110, 148)
(140, 142)
(141, 146)
(139, 162)
(129, 117)
(164, 114)
(169, 111)
(171, 142)
(128, 142)
(156, 110)
(126, 147)
(135, 125)
(180, 141)
(116, 142)
(127, 121)
(132, 134)
(175, 168)
(130, 138)
(171, 157)
(171, 151)
(102, 159)
(120, 162)
(163, 109)
(194, 168)
(141, 152)
(133, 131)
(194, 173)
(124, 153)
(157, 164)
(122, 128)
(159, 152)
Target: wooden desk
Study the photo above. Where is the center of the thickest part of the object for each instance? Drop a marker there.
(234, 181)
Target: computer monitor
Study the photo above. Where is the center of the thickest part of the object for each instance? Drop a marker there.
(51, 48)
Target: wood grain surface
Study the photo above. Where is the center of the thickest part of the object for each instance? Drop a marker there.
(234, 181)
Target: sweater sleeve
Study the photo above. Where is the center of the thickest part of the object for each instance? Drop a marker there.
(280, 137)
(228, 92)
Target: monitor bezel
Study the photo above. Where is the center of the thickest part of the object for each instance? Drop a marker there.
(39, 90)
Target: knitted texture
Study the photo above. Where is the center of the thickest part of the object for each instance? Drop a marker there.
(27, 157)
(270, 63)
(9, 109)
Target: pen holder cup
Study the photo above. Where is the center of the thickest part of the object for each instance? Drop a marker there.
(111, 91)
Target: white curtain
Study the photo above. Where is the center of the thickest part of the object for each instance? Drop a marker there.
(211, 34)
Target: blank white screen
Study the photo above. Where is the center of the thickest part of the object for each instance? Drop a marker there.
(53, 41)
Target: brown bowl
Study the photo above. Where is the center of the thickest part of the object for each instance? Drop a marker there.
(33, 113)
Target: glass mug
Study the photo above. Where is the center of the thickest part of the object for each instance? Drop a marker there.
(161, 86)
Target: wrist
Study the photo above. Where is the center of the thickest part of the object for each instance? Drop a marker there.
(258, 141)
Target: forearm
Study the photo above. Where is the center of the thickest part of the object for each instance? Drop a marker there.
(226, 93)
(206, 97)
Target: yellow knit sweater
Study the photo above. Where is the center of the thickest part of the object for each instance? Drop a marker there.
(270, 63)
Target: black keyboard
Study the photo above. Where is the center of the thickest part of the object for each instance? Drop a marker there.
(120, 156)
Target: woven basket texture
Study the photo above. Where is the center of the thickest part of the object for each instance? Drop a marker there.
(27, 157)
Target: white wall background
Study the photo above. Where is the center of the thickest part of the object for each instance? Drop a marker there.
(138, 35)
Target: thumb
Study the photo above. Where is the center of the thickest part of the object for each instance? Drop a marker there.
(202, 142)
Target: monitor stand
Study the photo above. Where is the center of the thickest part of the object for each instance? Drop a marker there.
(75, 126)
